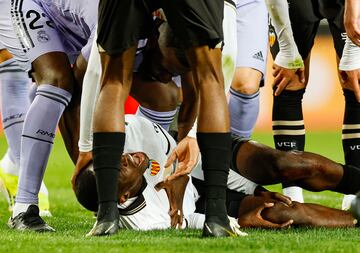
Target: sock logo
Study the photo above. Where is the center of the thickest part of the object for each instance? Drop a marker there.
(355, 147)
(15, 116)
(45, 133)
(287, 144)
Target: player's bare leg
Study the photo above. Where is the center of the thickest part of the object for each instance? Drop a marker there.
(308, 215)
(313, 172)
(213, 136)
(109, 136)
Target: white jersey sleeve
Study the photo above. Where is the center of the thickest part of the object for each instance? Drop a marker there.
(90, 93)
(288, 56)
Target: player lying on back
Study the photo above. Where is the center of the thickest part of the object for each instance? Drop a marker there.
(142, 207)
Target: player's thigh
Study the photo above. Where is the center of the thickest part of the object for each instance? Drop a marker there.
(229, 49)
(196, 23)
(36, 32)
(252, 45)
(122, 23)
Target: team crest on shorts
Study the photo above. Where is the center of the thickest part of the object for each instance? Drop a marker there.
(43, 37)
(154, 167)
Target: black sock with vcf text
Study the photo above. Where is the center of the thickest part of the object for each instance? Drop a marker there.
(215, 151)
(107, 150)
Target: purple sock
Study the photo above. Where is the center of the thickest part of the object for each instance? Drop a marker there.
(15, 103)
(244, 111)
(37, 139)
(163, 119)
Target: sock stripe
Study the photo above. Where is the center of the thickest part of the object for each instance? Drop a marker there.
(52, 98)
(351, 126)
(350, 136)
(289, 132)
(14, 123)
(288, 123)
(27, 136)
(67, 100)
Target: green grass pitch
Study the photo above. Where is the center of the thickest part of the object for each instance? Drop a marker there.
(72, 222)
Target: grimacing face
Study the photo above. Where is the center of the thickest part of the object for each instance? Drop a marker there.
(133, 166)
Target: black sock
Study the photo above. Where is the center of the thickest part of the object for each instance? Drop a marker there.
(288, 122)
(107, 150)
(351, 129)
(349, 183)
(215, 151)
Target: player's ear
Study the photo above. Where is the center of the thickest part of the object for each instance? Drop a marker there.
(124, 197)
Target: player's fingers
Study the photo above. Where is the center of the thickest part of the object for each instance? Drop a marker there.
(276, 71)
(283, 198)
(301, 73)
(282, 85)
(160, 186)
(277, 79)
(287, 224)
(262, 207)
(171, 159)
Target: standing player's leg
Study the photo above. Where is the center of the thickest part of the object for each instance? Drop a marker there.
(117, 51)
(252, 46)
(203, 32)
(287, 117)
(351, 121)
(53, 72)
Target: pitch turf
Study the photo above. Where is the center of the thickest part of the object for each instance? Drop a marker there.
(72, 222)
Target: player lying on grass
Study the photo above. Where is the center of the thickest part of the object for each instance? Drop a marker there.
(142, 207)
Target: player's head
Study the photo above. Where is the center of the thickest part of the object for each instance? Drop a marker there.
(130, 179)
(164, 57)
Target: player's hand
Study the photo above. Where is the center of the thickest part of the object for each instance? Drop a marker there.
(253, 219)
(175, 190)
(274, 195)
(187, 154)
(352, 21)
(351, 80)
(292, 79)
(83, 160)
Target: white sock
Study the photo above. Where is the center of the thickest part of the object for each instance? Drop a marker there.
(295, 193)
(346, 203)
(20, 208)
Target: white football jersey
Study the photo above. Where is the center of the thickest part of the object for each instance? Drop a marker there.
(150, 209)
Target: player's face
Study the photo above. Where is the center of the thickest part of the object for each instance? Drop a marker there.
(138, 161)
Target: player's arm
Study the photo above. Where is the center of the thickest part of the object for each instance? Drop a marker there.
(288, 64)
(189, 106)
(352, 20)
(90, 92)
(350, 67)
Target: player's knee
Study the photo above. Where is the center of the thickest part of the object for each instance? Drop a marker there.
(62, 78)
(246, 80)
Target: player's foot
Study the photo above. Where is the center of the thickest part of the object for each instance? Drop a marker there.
(104, 228)
(10, 181)
(295, 193)
(107, 220)
(214, 229)
(355, 207)
(30, 220)
(346, 202)
(9, 187)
